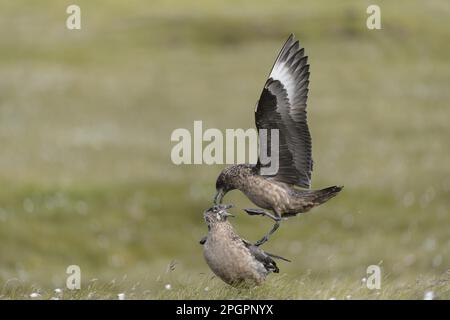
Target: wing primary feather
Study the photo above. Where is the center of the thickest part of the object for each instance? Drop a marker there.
(282, 106)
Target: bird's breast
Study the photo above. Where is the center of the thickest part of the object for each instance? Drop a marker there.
(265, 193)
(231, 261)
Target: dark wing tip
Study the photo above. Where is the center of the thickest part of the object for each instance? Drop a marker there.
(277, 257)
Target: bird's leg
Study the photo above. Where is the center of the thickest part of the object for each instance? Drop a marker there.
(254, 212)
(267, 236)
(260, 212)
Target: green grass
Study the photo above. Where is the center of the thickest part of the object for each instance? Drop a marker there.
(85, 124)
(173, 285)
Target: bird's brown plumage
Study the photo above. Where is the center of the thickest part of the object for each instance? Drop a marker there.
(281, 106)
(233, 259)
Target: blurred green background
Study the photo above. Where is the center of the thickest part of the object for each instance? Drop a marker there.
(85, 124)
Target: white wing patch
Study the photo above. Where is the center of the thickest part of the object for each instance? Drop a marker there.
(282, 74)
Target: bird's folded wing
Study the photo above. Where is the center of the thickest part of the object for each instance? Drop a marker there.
(261, 256)
(282, 106)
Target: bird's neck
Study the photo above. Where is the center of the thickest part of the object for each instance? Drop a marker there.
(221, 230)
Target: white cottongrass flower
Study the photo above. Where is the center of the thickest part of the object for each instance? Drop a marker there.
(429, 295)
(35, 295)
(206, 289)
(121, 296)
(168, 286)
(58, 291)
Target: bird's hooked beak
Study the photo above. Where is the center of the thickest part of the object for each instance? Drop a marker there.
(225, 213)
(221, 210)
(219, 196)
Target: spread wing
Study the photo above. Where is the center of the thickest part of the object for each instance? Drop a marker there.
(282, 106)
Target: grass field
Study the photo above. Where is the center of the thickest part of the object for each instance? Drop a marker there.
(85, 124)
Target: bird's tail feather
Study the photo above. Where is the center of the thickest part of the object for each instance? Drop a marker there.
(318, 197)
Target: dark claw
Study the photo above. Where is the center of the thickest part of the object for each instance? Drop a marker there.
(202, 241)
(267, 236)
(261, 241)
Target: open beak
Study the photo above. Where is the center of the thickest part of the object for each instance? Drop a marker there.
(229, 215)
(218, 197)
(224, 211)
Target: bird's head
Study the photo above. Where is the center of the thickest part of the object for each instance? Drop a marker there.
(226, 181)
(217, 213)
